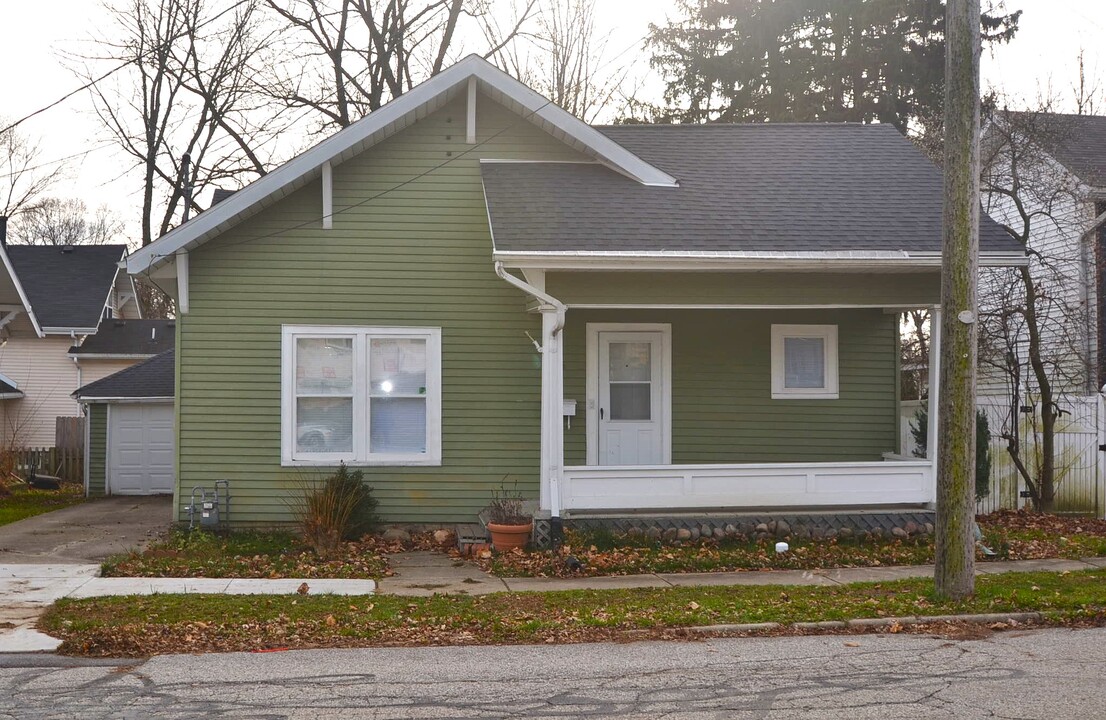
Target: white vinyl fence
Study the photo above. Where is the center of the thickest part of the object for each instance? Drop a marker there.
(1080, 476)
(1079, 472)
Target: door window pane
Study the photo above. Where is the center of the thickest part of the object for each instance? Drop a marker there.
(324, 425)
(397, 425)
(804, 362)
(631, 401)
(324, 366)
(397, 366)
(630, 362)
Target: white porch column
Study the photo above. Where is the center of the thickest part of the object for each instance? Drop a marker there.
(934, 392)
(552, 404)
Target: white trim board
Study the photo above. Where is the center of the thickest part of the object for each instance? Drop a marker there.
(383, 123)
(19, 289)
(591, 402)
(360, 454)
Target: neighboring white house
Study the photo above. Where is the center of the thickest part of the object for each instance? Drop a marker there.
(1063, 188)
(68, 316)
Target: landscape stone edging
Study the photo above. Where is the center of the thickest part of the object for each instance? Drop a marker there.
(975, 619)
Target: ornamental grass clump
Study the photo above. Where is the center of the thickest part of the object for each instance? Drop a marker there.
(340, 508)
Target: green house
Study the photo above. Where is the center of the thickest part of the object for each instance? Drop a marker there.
(471, 286)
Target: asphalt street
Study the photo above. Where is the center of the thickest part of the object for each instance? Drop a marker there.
(1052, 674)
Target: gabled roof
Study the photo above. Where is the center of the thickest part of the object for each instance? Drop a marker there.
(382, 123)
(762, 191)
(9, 390)
(64, 288)
(128, 339)
(1083, 149)
(149, 379)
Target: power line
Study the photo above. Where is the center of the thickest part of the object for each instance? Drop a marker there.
(419, 176)
(92, 83)
(382, 193)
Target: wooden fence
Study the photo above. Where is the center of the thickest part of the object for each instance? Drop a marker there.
(66, 463)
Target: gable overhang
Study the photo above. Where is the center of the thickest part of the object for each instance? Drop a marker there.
(19, 289)
(390, 119)
(679, 261)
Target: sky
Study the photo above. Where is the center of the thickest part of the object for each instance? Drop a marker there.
(35, 37)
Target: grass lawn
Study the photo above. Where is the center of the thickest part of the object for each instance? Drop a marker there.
(24, 502)
(1015, 536)
(245, 555)
(150, 625)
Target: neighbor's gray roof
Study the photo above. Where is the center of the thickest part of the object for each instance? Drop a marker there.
(129, 337)
(758, 187)
(7, 388)
(66, 287)
(1083, 150)
(153, 378)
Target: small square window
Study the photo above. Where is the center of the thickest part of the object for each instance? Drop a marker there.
(804, 362)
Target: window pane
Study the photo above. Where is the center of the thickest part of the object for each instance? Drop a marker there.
(630, 401)
(324, 366)
(397, 367)
(804, 362)
(397, 425)
(324, 425)
(630, 361)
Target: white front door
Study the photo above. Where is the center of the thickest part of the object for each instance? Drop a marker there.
(140, 442)
(631, 422)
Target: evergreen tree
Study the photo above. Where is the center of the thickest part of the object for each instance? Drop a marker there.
(810, 60)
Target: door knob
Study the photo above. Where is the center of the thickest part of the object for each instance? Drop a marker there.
(600, 413)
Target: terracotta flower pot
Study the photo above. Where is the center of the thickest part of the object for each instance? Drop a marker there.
(509, 537)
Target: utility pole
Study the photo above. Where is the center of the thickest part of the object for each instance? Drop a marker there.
(955, 560)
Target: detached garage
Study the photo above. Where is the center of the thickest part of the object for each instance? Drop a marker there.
(130, 438)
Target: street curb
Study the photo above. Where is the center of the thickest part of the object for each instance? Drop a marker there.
(873, 623)
(739, 627)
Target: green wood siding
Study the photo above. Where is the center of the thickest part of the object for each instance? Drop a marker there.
(761, 288)
(722, 406)
(97, 448)
(418, 256)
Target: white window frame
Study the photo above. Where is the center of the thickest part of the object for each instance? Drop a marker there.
(828, 334)
(360, 455)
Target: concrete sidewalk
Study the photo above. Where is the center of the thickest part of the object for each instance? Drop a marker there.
(421, 574)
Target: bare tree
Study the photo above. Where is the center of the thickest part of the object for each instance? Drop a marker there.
(23, 174)
(341, 59)
(1035, 322)
(187, 91)
(54, 221)
(564, 58)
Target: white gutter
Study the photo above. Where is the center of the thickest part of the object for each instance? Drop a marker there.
(541, 295)
(683, 261)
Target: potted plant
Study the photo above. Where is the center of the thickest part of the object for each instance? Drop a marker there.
(508, 523)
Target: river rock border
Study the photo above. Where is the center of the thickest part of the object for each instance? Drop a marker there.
(753, 526)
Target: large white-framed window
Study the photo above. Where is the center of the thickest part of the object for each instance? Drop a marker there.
(804, 362)
(361, 395)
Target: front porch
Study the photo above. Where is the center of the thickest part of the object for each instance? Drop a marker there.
(666, 410)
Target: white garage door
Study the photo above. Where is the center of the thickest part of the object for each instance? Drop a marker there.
(140, 449)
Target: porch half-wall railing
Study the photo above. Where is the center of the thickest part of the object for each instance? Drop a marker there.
(768, 485)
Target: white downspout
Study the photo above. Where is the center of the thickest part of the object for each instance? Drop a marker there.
(552, 396)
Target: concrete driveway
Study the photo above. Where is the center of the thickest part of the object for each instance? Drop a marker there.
(85, 533)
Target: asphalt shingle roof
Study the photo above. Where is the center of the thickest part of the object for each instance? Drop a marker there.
(753, 188)
(1083, 148)
(66, 287)
(153, 378)
(129, 337)
(7, 388)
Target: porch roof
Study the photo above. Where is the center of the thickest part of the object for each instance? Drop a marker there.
(762, 191)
